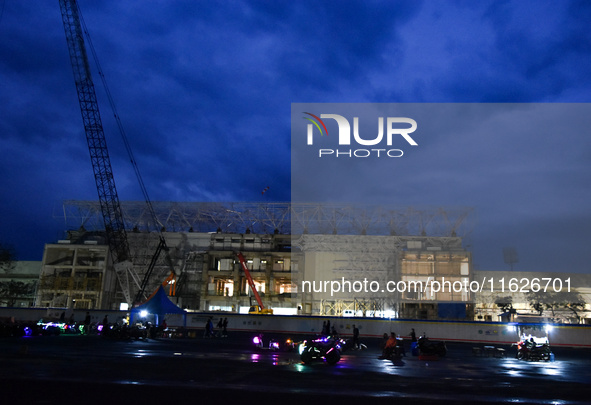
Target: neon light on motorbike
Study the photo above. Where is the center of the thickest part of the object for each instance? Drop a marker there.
(301, 348)
(256, 340)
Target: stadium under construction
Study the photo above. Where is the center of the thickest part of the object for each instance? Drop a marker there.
(287, 246)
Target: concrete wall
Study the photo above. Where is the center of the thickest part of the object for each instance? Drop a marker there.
(495, 333)
(476, 332)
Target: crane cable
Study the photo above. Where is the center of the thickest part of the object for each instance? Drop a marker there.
(2, 11)
(159, 227)
(157, 223)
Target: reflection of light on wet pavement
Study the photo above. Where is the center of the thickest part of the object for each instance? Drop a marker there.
(514, 373)
(344, 362)
(522, 368)
(274, 359)
(541, 401)
(141, 353)
(200, 365)
(553, 369)
(387, 367)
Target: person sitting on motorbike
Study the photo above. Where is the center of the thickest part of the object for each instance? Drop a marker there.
(390, 346)
(333, 332)
(531, 343)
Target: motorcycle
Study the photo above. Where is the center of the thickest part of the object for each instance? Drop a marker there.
(429, 348)
(530, 350)
(273, 345)
(533, 343)
(326, 348)
(290, 345)
(126, 332)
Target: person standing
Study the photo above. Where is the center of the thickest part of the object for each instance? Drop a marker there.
(208, 328)
(163, 327)
(105, 329)
(355, 337)
(220, 326)
(87, 323)
(225, 328)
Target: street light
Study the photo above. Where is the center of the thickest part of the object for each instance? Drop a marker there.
(549, 328)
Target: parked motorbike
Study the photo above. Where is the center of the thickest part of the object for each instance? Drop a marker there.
(529, 350)
(399, 350)
(126, 332)
(273, 344)
(257, 342)
(290, 345)
(326, 349)
(430, 348)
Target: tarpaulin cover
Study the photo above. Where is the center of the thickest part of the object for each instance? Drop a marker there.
(158, 304)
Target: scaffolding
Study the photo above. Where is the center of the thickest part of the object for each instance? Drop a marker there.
(355, 241)
(278, 217)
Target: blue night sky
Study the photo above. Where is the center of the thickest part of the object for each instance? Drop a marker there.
(204, 90)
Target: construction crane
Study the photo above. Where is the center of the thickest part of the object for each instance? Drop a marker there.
(260, 309)
(116, 235)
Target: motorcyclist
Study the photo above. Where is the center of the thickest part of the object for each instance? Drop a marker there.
(389, 347)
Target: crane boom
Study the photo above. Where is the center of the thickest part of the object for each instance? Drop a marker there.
(97, 146)
(262, 309)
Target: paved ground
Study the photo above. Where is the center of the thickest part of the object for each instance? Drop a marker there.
(93, 369)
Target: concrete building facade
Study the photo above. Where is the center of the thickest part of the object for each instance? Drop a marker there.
(78, 276)
(293, 252)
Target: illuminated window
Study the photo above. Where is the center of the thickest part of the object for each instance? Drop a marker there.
(259, 285)
(224, 264)
(286, 288)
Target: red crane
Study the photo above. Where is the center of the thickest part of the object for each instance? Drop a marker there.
(261, 308)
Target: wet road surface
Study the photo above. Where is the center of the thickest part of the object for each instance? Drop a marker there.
(95, 369)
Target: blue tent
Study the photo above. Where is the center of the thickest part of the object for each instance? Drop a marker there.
(158, 305)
